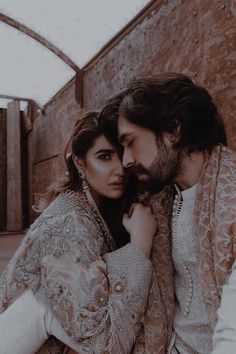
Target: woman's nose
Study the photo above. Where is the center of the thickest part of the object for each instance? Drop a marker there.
(120, 168)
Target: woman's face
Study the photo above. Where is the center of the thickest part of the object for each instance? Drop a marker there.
(103, 170)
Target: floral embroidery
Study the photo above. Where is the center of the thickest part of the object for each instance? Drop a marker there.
(119, 284)
(62, 260)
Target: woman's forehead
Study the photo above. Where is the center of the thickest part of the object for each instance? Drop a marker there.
(101, 143)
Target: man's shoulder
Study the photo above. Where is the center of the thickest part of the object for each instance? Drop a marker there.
(227, 161)
(162, 202)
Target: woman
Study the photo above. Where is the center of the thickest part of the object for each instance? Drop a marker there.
(67, 281)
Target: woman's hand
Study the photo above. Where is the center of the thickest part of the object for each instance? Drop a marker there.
(141, 225)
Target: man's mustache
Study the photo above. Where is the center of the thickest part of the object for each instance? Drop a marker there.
(138, 170)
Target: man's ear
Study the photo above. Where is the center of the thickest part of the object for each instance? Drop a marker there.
(177, 134)
(173, 137)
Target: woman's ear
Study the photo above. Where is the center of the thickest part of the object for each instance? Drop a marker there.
(78, 162)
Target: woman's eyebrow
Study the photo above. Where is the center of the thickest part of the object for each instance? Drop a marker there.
(104, 151)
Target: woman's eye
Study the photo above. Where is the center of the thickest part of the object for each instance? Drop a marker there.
(105, 157)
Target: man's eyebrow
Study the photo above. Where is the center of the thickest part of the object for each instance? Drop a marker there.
(123, 137)
(104, 151)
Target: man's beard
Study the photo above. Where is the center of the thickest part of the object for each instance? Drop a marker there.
(163, 169)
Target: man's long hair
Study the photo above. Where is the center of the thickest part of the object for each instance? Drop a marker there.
(166, 101)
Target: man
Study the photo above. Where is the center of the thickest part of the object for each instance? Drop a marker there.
(172, 134)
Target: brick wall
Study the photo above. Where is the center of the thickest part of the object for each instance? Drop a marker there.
(195, 37)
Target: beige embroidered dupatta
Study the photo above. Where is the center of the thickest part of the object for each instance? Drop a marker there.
(157, 328)
(69, 228)
(215, 220)
(98, 296)
(215, 225)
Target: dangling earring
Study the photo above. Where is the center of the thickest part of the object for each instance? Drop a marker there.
(85, 186)
(81, 173)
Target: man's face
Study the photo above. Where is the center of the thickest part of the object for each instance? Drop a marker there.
(149, 157)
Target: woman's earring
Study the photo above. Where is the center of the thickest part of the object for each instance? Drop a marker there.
(81, 173)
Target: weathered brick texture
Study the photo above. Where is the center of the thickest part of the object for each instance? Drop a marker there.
(195, 37)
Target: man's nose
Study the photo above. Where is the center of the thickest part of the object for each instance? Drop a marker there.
(127, 159)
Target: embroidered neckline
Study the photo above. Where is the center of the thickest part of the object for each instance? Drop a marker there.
(96, 214)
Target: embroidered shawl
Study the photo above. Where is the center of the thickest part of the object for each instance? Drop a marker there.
(44, 242)
(99, 297)
(215, 232)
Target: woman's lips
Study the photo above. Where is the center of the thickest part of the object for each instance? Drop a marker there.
(118, 185)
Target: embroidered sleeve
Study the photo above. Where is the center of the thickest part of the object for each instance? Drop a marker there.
(98, 301)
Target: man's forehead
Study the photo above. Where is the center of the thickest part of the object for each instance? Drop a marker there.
(124, 134)
(124, 126)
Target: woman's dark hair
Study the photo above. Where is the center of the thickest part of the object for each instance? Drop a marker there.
(170, 100)
(87, 129)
